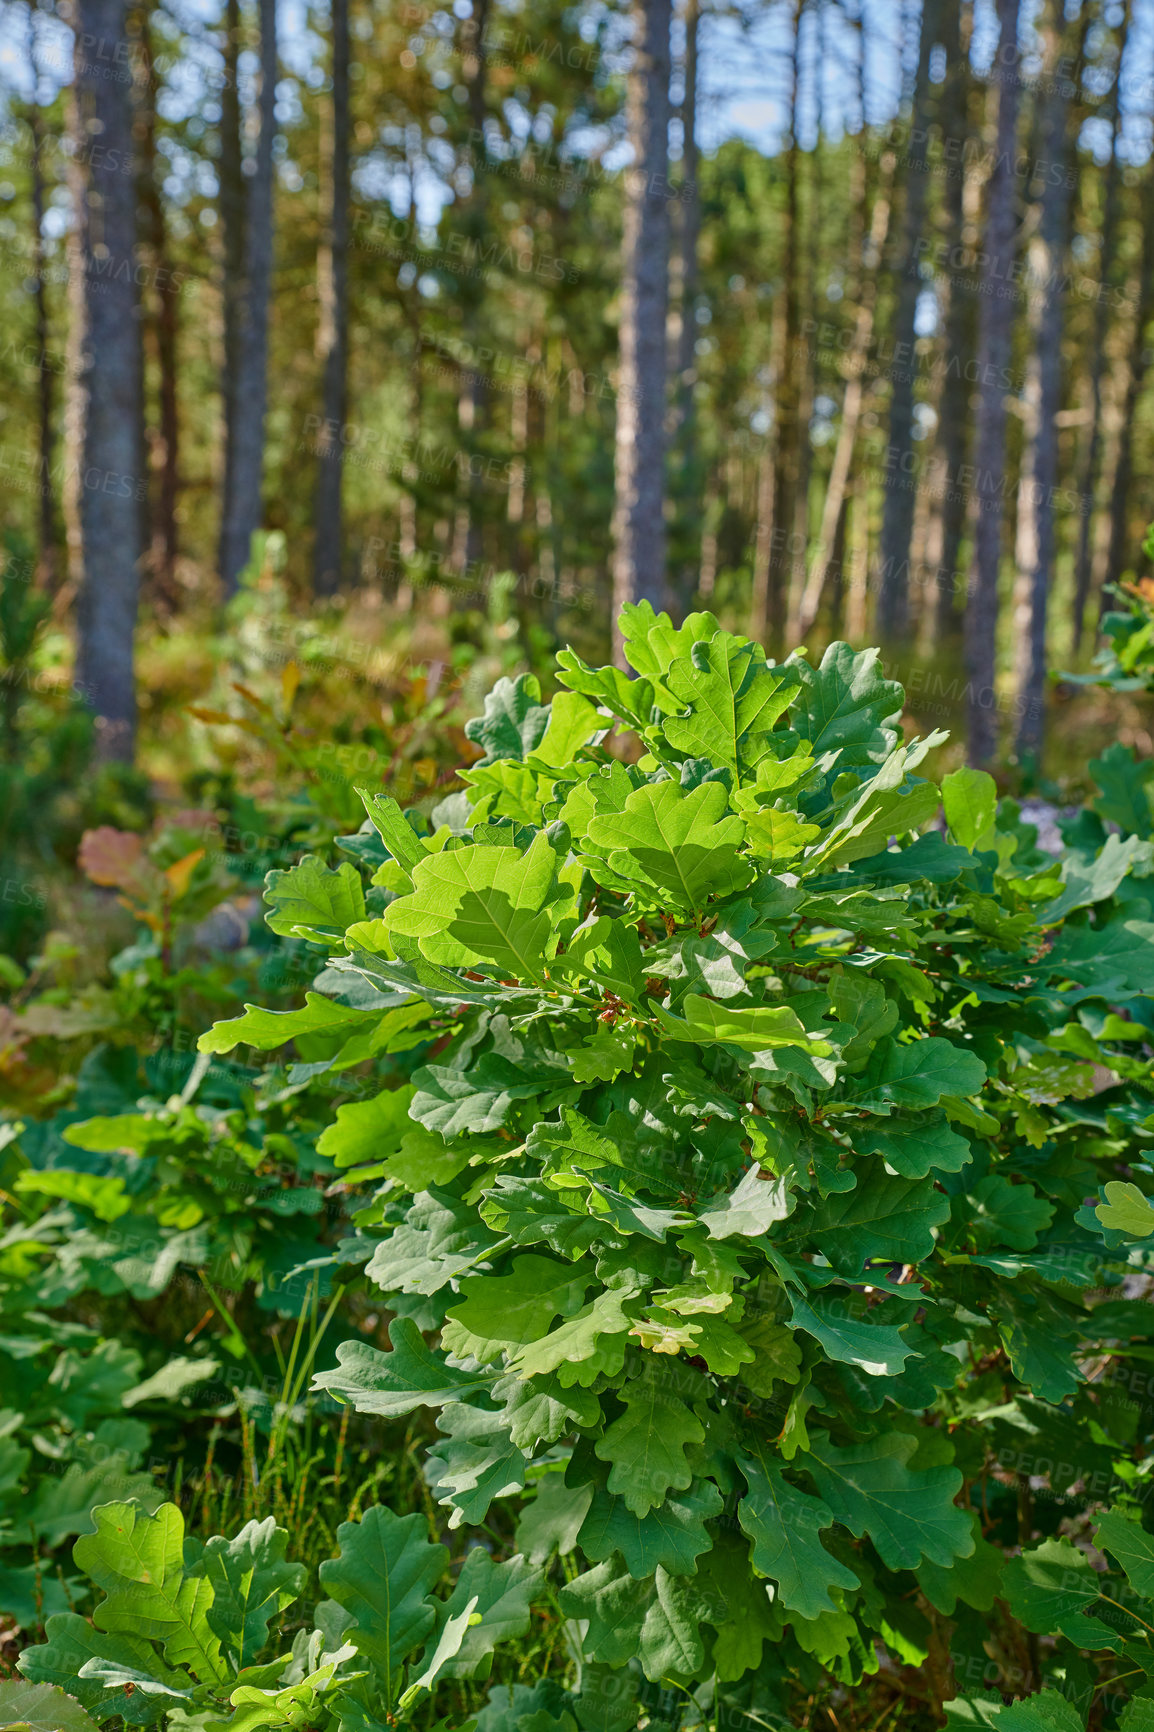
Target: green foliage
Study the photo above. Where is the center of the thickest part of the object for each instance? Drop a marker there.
(184, 1623)
(746, 1171)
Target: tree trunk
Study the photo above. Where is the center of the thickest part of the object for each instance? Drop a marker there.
(954, 405)
(473, 401)
(1088, 479)
(684, 439)
(48, 560)
(1047, 261)
(333, 332)
(786, 429)
(162, 331)
(833, 510)
(798, 527)
(893, 616)
(244, 430)
(639, 516)
(995, 337)
(110, 379)
(232, 204)
(1118, 559)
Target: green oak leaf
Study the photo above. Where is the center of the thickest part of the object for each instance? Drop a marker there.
(541, 1411)
(757, 1204)
(763, 1029)
(1086, 882)
(970, 798)
(501, 1596)
(609, 688)
(267, 1029)
(577, 1343)
(367, 1130)
(672, 1535)
(1049, 1711)
(785, 1525)
(251, 1583)
(652, 643)
(1001, 1213)
(311, 901)
(976, 1580)
(514, 720)
(72, 1643)
(485, 905)
(410, 1376)
(497, 1311)
(438, 1241)
(382, 1577)
(883, 1218)
(733, 703)
(1132, 1546)
(646, 1445)
(457, 1103)
(41, 1708)
(393, 828)
(914, 1144)
(743, 1615)
(877, 1348)
(846, 707)
(553, 1519)
(531, 1212)
(1124, 784)
(138, 1561)
(1125, 1210)
(672, 846)
(1051, 1587)
(908, 1515)
(1040, 1335)
(476, 1462)
(658, 1621)
(915, 1074)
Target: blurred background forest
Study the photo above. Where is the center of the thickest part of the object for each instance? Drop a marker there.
(832, 316)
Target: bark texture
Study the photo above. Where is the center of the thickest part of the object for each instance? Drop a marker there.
(161, 325)
(639, 515)
(333, 333)
(995, 337)
(245, 405)
(112, 484)
(1121, 546)
(954, 403)
(47, 559)
(893, 615)
(1047, 262)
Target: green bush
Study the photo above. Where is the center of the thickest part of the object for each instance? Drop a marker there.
(774, 1149)
(184, 1624)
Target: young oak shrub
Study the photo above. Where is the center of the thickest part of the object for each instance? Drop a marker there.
(740, 1187)
(182, 1632)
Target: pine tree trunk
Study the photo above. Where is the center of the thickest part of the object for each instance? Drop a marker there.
(333, 333)
(954, 406)
(684, 440)
(639, 516)
(161, 324)
(786, 427)
(232, 205)
(1119, 557)
(473, 402)
(110, 380)
(893, 615)
(1047, 269)
(244, 430)
(48, 557)
(833, 509)
(995, 336)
